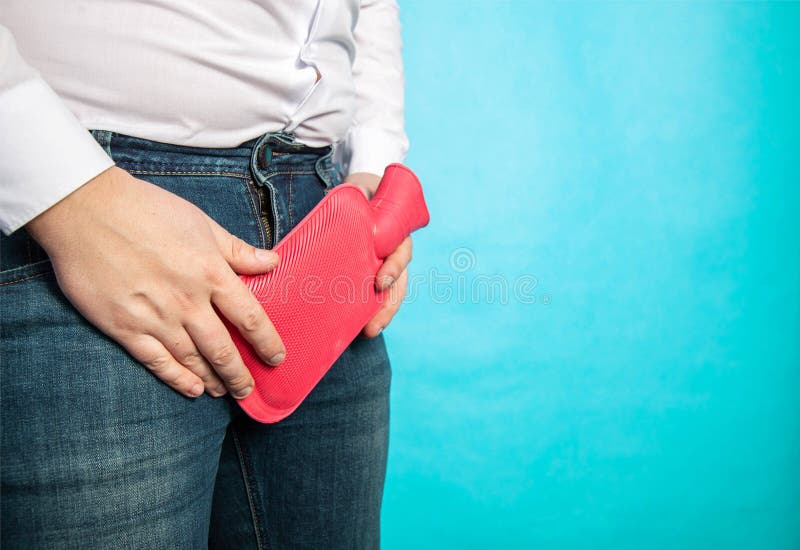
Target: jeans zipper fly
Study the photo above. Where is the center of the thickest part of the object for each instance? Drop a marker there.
(264, 212)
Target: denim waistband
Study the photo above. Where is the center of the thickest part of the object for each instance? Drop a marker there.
(258, 158)
(265, 162)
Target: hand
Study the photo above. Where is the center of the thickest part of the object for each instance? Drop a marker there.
(393, 274)
(148, 268)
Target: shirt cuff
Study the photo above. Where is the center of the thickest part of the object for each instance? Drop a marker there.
(368, 149)
(45, 153)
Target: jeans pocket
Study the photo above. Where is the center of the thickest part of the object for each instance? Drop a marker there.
(21, 258)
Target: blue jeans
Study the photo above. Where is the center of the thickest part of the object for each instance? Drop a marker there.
(97, 453)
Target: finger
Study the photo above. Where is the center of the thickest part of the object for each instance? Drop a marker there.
(214, 341)
(365, 181)
(154, 356)
(183, 349)
(393, 265)
(242, 257)
(241, 308)
(391, 304)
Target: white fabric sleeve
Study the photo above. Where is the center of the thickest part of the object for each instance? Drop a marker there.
(45, 153)
(377, 136)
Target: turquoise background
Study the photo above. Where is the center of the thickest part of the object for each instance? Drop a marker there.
(640, 161)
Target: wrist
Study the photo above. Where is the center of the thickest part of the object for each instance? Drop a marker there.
(52, 226)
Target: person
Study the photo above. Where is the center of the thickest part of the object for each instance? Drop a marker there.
(149, 153)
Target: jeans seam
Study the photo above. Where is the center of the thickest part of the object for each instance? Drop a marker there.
(291, 177)
(248, 189)
(248, 485)
(290, 172)
(189, 173)
(276, 216)
(28, 278)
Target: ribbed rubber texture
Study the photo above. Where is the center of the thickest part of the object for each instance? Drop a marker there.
(319, 298)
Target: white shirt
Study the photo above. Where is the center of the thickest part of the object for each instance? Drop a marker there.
(204, 73)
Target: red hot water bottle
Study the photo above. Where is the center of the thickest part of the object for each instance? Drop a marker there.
(323, 291)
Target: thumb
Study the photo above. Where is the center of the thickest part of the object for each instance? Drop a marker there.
(243, 258)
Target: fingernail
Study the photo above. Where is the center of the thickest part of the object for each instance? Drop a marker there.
(278, 358)
(386, 282)
(197, 390)
(241, 394)
(263, 255)
(219, 391)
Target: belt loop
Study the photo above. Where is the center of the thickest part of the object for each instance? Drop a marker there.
(259, 162)
(103, 138)
(327, 170)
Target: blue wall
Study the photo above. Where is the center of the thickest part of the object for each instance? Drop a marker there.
(640, 161)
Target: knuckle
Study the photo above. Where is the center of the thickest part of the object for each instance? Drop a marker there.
(119, 317)
(238, 247)
(192, 357)
(185, 299)
(158, 364)
(389, 267)
(237, 381)
(175, 379)
(215, 275)
(223, 356)
(123, 320)
(252, 319)
(209, 378)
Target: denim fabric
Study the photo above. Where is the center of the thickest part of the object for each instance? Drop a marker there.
(97, 453)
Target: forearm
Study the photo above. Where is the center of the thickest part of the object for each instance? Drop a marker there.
(377, 136)
(45, 154)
